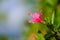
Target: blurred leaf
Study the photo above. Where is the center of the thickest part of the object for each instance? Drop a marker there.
(40, 37)
(52, 38)
(58, 34)
(51, 2)
(44, 32)
(3, 38)
(57, 16)
(47, 36)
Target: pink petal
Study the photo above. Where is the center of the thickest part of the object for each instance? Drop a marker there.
(36, 15)
(41, 15)
(31, 21)
(41, 21)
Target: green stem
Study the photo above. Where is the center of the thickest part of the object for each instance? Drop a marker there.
(53, 17)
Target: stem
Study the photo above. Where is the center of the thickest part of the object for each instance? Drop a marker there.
(53, 17)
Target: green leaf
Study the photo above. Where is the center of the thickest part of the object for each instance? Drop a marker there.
(57, 16)
(3, 37)
(52, 38)
(58, 34)
(40, 37)
(51, 2)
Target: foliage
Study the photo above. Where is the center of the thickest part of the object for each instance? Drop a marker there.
(50, 30)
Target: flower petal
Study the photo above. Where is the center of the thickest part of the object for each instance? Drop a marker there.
(31, 21)
(36, 15)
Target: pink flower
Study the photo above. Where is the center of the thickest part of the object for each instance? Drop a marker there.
(37, 17)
